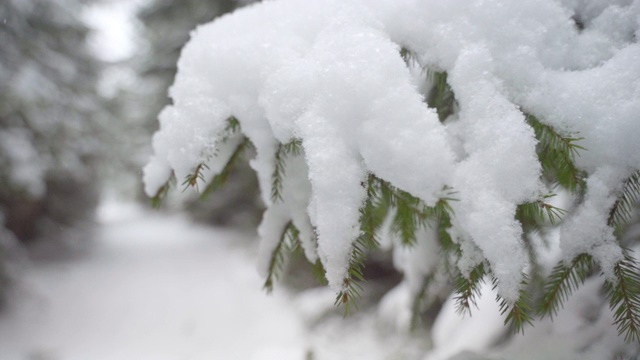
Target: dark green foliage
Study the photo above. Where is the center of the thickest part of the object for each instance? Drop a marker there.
(408, 216)
(288, 243)
(220, 179)
(534, 215)
(518, 313)
(409, 213)
(624, 298)
(317, 270)
(441, 96)
(468, 288)
(156, 200)
(192, 179)
(371, 217)
(351, 288)
(292, 148)
(623, 208)
(232, 128)
(562, 282)
(556, 153)
(420, 299)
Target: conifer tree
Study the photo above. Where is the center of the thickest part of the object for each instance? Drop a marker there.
(49, 110)
(338, 180)
(165, 28)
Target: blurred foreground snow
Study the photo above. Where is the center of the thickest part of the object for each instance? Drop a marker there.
(157, 287)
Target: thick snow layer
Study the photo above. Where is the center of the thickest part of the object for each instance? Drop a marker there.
(330, 74)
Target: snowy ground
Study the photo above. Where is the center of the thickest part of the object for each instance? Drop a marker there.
(155, 287)
(158, 287)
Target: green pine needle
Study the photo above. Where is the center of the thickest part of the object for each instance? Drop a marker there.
(556, 154)
(468, 289)
(410, 212)
(518, 313)
(441, 96)
(289, 241)
(318, 272)
(161, 194)
(419, 301)
(192, 179)
(562, 282)
(292, 148)
(351, 288)
(372, 215)
(408, 56)
(624, 298)
(221, 178)
(624, 206)
(232, 127)
(536, 214)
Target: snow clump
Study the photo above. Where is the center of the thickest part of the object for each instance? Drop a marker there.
(330, 74)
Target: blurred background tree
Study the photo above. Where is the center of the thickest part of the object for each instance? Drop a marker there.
(164, 29)
(50, 128)
(76, 121)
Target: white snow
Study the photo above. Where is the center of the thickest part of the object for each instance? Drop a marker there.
(152, 287)
(330, 74)
(113, 23)
(157, 286)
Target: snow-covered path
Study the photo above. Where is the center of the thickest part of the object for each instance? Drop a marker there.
(153, 287)
(156, 287)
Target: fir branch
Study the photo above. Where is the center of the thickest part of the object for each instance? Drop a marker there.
(318, 272)
(292, 148)
(289, 241)
(624, 298)
(556, 154)
(409, 211)
(407, 219)
(562, 282)
(232, 127)
(372, 215)
(451, 251)
(408, 56)
(221, 178)
(192, 179)
(161, 194)
(468, 289)
(535, 214)
(622, 209)
(419, 300)
(441, 96)
(518, 313)
(351, 288)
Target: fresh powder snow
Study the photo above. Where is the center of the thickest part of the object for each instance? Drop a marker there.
(330, 74)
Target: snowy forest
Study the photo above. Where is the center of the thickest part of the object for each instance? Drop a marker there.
(319, 180)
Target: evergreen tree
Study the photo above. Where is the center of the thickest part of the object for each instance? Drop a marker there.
(429, 127)
(165, 28)
(49, 130)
